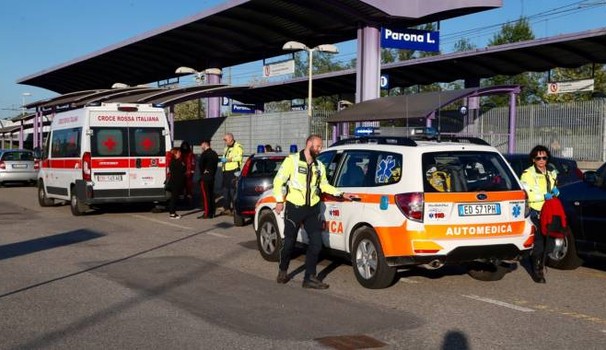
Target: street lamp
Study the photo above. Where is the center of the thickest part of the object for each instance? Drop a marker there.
(295, 45)
(188, 70)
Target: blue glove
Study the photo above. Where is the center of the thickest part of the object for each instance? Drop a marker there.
(555, 192)
(223, 160)
(548, 196)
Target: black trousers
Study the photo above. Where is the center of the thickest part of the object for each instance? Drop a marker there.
(229, 189)
(174, 198)
(207, 194)
(309, 217)
(538, 251)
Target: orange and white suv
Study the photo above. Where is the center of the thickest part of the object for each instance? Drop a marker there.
(422, 203)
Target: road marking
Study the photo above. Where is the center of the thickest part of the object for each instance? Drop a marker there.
(162, 222)
(216, 234)
(500, 303)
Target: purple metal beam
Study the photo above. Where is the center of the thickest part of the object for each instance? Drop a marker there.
(213, 104)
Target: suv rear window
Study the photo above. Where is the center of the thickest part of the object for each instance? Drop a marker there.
(265, 166)
(466, 172)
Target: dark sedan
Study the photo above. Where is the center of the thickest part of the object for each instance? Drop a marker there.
(567, 169)
(257, 177)
(585, 206)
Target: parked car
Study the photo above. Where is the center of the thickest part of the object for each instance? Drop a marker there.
(421, 203)
(257, 176)
(567, 168)
(585, 206)
(18, 165)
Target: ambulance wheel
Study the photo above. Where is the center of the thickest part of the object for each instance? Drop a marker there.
(238, 219)
(42, 199)
(567, 258)
(78, 208)
(269, 240)
(486, 271)
(368, 261)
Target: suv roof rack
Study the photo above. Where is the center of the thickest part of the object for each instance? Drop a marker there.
(378, 140)
(409, 141)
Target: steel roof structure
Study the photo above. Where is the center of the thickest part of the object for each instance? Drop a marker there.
(240, 31)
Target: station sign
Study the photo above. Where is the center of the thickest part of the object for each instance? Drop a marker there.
(410, 39)
(384, 82)
(243, 109)
(570, 86)
(278, 68)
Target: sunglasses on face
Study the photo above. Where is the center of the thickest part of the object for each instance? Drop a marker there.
(540, 158)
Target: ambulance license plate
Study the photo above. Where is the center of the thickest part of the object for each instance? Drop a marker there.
(479, 209)
(109, 178)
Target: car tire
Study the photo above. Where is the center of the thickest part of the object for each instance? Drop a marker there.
(43, 200)
(78, 208)
(569, 259)
(369, 264)
(269, 241)
(239, 220)
(485, 271)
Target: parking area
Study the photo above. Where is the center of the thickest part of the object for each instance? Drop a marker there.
(130, 278)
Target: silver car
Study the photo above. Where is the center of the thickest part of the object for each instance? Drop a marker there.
(18, 165)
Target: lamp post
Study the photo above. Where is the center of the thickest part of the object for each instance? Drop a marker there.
(295, 45)
(23, 113)
(212, 103)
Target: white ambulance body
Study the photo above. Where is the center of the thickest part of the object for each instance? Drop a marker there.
(111, 153)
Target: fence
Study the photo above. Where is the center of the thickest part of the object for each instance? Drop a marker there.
(575, 130)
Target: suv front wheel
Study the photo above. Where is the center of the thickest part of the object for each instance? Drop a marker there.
(368, 261)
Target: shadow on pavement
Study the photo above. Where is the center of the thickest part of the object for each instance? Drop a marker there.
(12, 250)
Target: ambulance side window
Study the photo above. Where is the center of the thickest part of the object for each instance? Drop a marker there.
(146, 142)
(66, 143)
(109, 142)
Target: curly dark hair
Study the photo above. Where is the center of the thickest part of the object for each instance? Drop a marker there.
(537, 149)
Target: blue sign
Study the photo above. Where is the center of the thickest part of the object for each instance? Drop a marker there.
(243, 109)
(410, 39)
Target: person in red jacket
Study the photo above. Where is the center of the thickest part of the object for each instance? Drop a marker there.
(189, 159)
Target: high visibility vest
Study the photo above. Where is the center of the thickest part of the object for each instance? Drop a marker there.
(535, 185)
(234, 157)
(305, 182)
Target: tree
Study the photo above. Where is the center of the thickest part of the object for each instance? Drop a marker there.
(464, 44)
(189, 110)
(531, 88)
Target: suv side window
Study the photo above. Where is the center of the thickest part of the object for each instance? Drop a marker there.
(369, 169)
(330, 160)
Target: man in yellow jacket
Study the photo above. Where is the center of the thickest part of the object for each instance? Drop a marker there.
(306, 178)
(232, 163)
(539, 184)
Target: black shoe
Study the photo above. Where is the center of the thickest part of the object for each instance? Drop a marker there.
(282, 277)
(314, 283)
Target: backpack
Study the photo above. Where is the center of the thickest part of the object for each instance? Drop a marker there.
(553, 219)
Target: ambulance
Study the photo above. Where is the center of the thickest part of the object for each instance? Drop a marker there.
(103, 154)
(423, 203)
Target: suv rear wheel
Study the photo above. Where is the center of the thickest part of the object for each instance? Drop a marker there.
(269, 241)
(368, 261)
(567, 258)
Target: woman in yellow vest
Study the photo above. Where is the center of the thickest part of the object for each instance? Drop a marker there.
(540, 185)
(306, 179)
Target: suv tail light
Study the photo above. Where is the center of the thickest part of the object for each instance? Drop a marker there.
(526, 205)
(2, 165)
(36, 164)
(86, 167)
(246, 167)
(411, 205)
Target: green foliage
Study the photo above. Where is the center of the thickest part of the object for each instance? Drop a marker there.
(189, 110)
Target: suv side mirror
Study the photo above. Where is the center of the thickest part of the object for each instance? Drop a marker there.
(590, 176)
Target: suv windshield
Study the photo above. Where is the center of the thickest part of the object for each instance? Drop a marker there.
(466, 172)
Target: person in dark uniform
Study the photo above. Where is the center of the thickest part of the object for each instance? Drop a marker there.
(176, 181)
(208, 168)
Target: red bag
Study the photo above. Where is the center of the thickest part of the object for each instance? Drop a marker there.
(553, 219)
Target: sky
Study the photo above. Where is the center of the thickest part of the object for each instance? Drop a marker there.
(37, 35)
